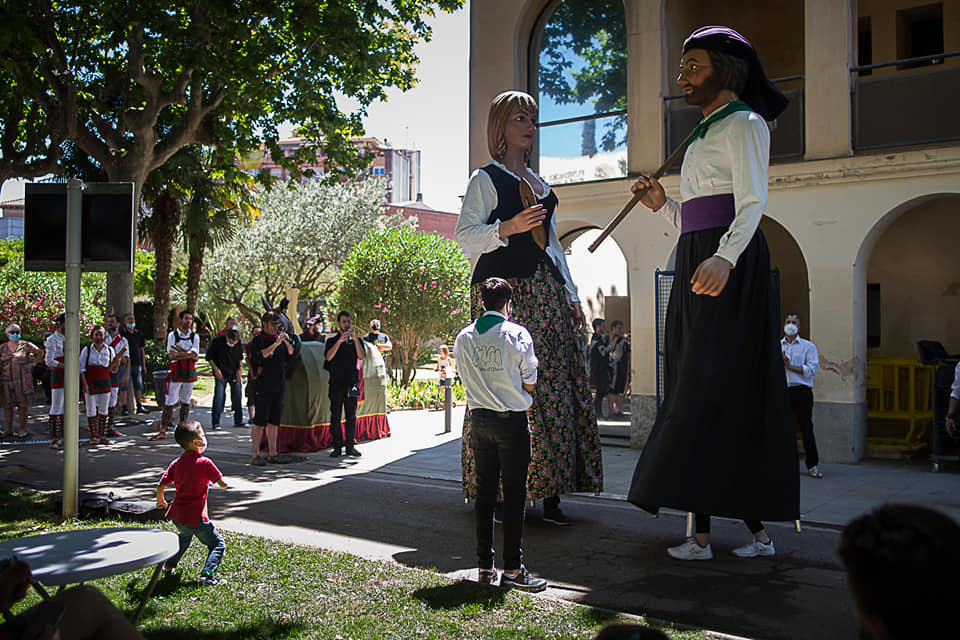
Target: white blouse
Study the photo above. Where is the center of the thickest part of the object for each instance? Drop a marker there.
(477, 237)
(100, 358)
(733, 157)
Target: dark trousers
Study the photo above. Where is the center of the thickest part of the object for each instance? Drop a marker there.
(501, 450)
(220, 399)
(703, 524)
(801, 405)
(342, 405)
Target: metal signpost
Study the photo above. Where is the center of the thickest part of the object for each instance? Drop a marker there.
(74, 227)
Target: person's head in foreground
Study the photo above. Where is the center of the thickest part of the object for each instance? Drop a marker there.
(189, 435)
(496, 294)
(903, 566)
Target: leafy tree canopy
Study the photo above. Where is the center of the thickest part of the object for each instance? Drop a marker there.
(303, 234)
(415, 283)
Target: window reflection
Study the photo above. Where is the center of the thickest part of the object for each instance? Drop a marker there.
(582, 90)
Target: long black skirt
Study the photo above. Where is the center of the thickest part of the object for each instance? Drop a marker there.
(723, 443)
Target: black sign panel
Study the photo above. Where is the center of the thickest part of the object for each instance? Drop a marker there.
(107, 238)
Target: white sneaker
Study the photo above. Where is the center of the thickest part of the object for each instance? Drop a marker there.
(754, 549)
(691, 550)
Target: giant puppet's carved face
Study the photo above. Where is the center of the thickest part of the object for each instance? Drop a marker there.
(696, 78)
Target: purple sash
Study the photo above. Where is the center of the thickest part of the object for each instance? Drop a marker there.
(707, 212)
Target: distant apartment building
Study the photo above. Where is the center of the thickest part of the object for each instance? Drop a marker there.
(400, 167)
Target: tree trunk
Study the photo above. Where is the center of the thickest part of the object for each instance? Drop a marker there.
(163, 231)
(194, 271)
(120, 285)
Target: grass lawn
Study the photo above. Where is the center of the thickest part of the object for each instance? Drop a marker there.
(281, 590)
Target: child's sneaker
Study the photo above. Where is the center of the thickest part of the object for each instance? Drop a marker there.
(210, 579)
(169, 569)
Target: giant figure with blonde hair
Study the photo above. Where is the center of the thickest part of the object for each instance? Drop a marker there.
(508, 225)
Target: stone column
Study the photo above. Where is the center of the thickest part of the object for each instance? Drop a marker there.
(829, 45)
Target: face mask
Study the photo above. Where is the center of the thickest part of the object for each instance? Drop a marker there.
(14, 336)
(131, 325)
(791, 329)
(112, 329)
(98, 341)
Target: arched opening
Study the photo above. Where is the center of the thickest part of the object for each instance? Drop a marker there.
(910, 290)
(602, 277)
(787, 259)
(578, 73)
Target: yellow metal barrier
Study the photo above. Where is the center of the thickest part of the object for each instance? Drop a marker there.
(899, 406)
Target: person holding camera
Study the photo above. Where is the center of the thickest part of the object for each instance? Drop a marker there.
(269, 351)
(344, 353)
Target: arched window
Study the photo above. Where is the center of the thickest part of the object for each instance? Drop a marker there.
(579, 76)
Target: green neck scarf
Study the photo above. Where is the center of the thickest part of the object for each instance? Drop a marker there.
(487, 321)
(701, 129)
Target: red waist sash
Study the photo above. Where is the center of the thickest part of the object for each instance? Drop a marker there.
(56, 376)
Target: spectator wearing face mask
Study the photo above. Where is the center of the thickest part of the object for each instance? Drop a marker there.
(800, 360)
(137, 342)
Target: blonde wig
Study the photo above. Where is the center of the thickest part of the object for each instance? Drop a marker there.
(500, 111)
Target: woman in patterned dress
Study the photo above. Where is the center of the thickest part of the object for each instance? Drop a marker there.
(508, 226)
(17, 358)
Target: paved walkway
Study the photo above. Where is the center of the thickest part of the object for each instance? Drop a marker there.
(401, 501)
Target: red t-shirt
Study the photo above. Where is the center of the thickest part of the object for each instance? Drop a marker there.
(191, 475)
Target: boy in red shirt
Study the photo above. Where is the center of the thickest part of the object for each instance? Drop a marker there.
(191, 475)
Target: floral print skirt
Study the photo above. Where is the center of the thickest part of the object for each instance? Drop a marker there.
(565, 442)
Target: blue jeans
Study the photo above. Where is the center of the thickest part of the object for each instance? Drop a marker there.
(208, 536)
(501, 450)
(220, 399)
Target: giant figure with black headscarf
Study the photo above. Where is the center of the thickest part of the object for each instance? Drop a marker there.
(722, 443)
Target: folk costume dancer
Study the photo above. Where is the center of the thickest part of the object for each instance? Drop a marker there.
(96, 360)
(121, 348)
(53, 358)
(183, 350)
(507, 224)
(722, 443)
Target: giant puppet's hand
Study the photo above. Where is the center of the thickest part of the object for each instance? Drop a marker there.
(578, 319)
(710, 277)
(655, 197)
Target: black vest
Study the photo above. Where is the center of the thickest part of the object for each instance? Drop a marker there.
(521, 257)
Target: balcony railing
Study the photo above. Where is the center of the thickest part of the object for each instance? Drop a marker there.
(786, 135)
(905, 109)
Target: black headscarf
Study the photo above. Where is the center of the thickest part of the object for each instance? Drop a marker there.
(759, 92)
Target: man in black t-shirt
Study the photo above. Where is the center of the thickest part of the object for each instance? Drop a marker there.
(269, 351)
(343, 352)
(136, 342)
(225, 354)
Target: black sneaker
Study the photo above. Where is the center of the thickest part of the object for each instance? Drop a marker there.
(124, 411)
(140, 409)
(215, 427)
(353, 453)
(336, 453)
(555, 516)
(523, 581)
(487, 576)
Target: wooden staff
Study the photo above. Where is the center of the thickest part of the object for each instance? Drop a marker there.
(607, 230)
